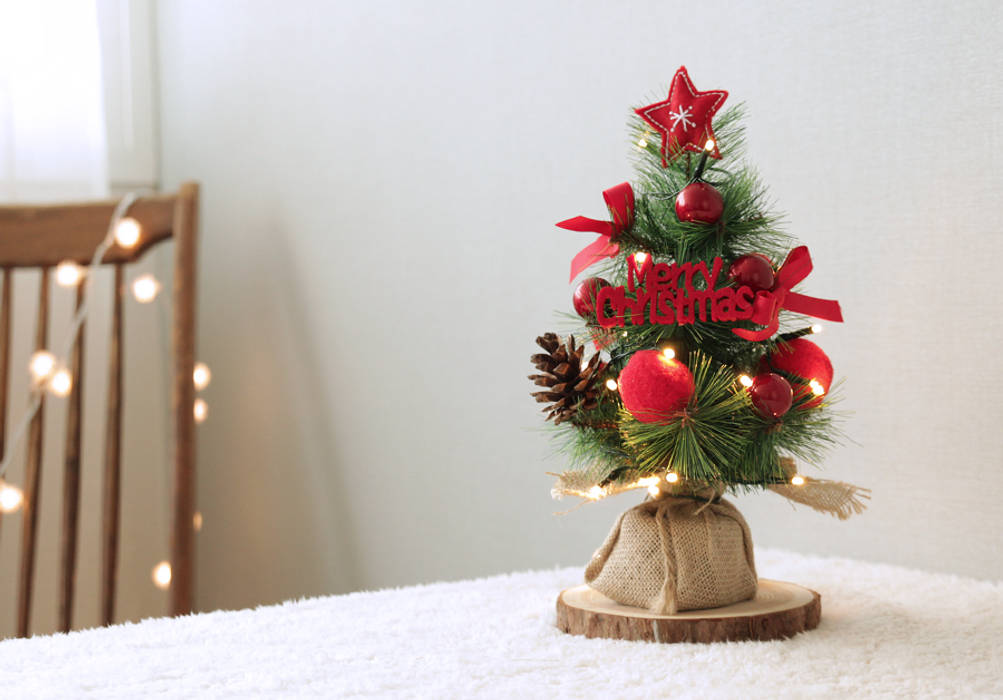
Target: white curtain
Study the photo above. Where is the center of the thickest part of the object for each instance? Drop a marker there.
(52, 128)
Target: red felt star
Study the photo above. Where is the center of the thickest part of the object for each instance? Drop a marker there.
(684, 118)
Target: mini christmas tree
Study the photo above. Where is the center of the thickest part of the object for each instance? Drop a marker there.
(702, 379)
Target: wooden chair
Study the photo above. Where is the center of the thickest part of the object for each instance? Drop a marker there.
(42, 237)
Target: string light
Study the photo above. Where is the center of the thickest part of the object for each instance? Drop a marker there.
(596, 492)
(127, 232)
(816, 387)
(197, 521)
(201, 376)
(668, 353)
(162, 575)
(42, 365)
(145, 288)
(639, 258)
(745, 380)
(61, 383)
(709, 146)
(611, 384)
(817, 328)
(200, 409)
(797, 480)
(653, 490)
(69, 274)
(11, 497)
(642, 143)
(672, 477)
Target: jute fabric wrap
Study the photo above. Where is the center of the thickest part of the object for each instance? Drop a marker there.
(676, 553)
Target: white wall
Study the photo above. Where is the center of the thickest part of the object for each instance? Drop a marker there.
(381, 183)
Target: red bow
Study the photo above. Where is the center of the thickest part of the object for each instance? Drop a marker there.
(620, 202)
(767, 304)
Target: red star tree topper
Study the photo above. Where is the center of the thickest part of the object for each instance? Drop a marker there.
(683, 119)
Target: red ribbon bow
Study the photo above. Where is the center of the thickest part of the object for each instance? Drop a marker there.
(768, 302)
(620, 202)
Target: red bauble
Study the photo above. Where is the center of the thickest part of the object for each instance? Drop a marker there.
(753, 270)
(653, 387)
(585, 295)
(700, 203)
(803, 359)
(771, 395)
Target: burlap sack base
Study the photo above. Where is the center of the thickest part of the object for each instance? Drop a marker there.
(676, 553)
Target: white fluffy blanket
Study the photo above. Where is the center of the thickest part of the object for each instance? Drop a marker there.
(885, 631)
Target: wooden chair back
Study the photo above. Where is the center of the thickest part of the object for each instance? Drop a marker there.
(42, 237)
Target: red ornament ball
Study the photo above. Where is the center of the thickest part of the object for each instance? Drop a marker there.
(771, 395)
(803, 359)
(700, 203)
(653, 387)
(753, 270)
(585, 295)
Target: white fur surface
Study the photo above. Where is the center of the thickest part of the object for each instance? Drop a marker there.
(885, 632)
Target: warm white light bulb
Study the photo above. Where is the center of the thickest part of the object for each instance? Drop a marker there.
(672, 477)
(595, 492)
(817, 328)
(642, 142)
(197, 521)
(162, 575)
(42, 365)
(202, 376)
(668, 353)
(745, 380)
(145, 288)
(68, 274)
(639, 258)
(653, 490)
(798, 480)
(61, 383)
(200, 409)
(611, 384)
(127, 232)
(709, 146)
(11, 497)
(816, 387)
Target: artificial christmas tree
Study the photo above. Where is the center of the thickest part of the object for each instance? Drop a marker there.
(701, 383)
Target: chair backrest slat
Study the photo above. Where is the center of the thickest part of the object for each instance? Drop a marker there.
(71, 477)
(113, 457)
(33, 471)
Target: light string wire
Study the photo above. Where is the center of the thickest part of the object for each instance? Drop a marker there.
(78, 320)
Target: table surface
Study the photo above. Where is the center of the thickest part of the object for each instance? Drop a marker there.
(885, 631)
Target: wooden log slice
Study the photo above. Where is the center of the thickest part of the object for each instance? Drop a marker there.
(779, 610)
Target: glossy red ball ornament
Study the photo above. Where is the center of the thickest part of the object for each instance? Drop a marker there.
(803, 359)
(771, 395)
(584, 298)
(753, 270)
(653, 387)
(699, 203)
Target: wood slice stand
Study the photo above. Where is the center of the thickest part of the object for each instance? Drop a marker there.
(779, 610)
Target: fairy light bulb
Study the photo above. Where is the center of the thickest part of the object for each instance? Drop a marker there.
(68, 274)
(42, 365)
(197, 521)
(642, 142)
(201, 375)
(672, 477)
(709, 146)
(817, 328)
(653, 490)
(639, 258)
(11, 498)
(611, 384)
(816, 387)
(797, 480)
(145, 288)
(162, 575)
(127, 232)
(200, 409)
(745, 380)
(595, 492)
(61, 383)
(668, 353)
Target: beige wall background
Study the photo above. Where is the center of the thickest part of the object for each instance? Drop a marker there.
(381, 182)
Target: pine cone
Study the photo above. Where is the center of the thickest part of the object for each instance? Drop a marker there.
(570, 385)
